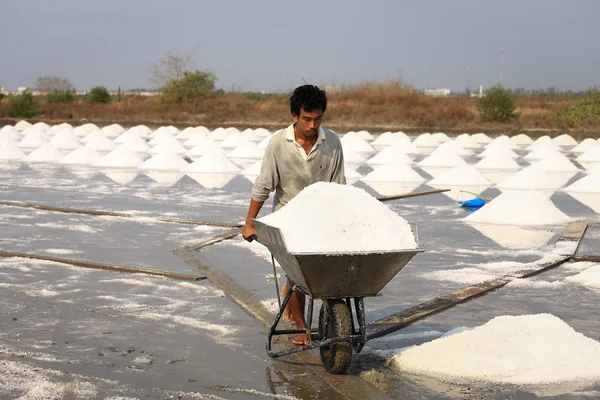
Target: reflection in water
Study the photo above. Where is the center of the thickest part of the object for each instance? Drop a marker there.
(592, 200)
(513, 237)
(82, 172)
(392, 188)
(165, 178)
(211, 180)
(122, 177)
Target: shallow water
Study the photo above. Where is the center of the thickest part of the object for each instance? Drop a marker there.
(220, 345)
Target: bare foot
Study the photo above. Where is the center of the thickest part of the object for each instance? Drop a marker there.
(302, 340)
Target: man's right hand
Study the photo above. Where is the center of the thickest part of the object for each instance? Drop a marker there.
(248, 231)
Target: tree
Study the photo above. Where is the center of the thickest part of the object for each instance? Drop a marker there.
(497, 105)
(60, 96)
(172, 66)
(22, 105)
(190, 88)
(54, 83)
(99, 94)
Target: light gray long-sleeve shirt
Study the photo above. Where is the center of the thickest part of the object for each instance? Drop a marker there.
(287, 169)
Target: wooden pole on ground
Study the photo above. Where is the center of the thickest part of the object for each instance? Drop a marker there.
(102, 266)
(412, 194)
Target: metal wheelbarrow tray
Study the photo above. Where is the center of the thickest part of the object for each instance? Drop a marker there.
(339, 279)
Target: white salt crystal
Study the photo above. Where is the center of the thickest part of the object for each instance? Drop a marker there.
(525, 207)
(204, 147)
(452, 146)
(33, 139)
(466, 142)
(506, 141)
(521, 139)
(530, 177)
(461, 175)
(543, 141)
(212, 163)
(556, 162)
(542, 152)
(442, 160)
(65, 140)
(565, 140)
(85, 129)
(22, 125)
(162, 137)
(347, 219)
(390, 155)
(119, 157)
(586, 144)
(481, 138)
(232, 130)
(589, 277)
(250, 135)
(136, 144)
(99, 142)
(169, 146)
(590, 155)
(233, 140)
(441, 137)
(425, 140)
(356, 144)
(187, 133)
(393, 173)
(219, 134)
(389, 138)
(587, 184)
(112, 130)
(10, 151)
(41, 125)
(497, 162)
(164, 162)
(82, 155)
(46, 153)
(527, 349)
(125, 136)
(247, 150)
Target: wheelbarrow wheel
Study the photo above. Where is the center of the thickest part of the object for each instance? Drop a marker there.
(336, 357)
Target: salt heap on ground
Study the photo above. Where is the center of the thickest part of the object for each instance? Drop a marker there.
(215, 163)
(356, 144)
(497, 162)
(565, 140)
(425, 140)
(9, 151)
(587, 184)
(164, 162)
(232, 141)
(526, 207)
(99, 142)
(119, 157)
(521, 139)
(498, 149)
(586, 144)
(557, 162)
(526, 349)
(390, 155)
(590, 155)
(463, 175)
(22, 125)
(33, 139)
(529, 178)
(204, 146)
(589, 277)
(247, 150)
(389, 138)
(346, 220)
(65, 140)
(169, 146)
(481, 138)
(46, 153)
(82, 155)
(393, 173)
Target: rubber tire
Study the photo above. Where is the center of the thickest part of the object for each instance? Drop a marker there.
(336, 358)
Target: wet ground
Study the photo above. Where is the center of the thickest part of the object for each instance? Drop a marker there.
(78, 333)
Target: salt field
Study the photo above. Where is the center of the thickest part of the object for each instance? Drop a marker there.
(83, 333)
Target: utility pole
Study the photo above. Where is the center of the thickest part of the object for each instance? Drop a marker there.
(501, 66)
(468, 89)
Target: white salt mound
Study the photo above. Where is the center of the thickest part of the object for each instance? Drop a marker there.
(587, 184)
(356, 144)
(528, 178)
(461, 175)
(82, 155)
(425, 140)
(253, 170)
(22, 125)
(498, 163)
(523, 207)
(521, 139)
(119, 157)
(586, 144)
(565, 140)
(33, 140)
(10, 152)
(169, 146)
(212, 163)
(164, 162)
(442, 160)
(557, 162)
(590, 155)
(46, 153)
(393, 173)
(347, 219)
(390, 155)
(389, 138)
(481, 138)
(247, 150)
(589, 278)
(527, 350)
(65, 140)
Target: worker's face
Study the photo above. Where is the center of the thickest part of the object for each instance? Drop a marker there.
(308, 122)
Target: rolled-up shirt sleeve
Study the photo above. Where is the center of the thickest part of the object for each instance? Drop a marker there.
(268, 179)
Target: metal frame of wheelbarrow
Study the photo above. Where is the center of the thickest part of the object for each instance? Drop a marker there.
(352, 275)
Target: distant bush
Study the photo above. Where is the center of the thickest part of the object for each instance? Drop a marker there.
(498, 105)
(99, 94)
(23, 105)
(581, 110)
(2, 95)
(191, 88)
(60, 96)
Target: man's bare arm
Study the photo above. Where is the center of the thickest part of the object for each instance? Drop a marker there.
(248, 230)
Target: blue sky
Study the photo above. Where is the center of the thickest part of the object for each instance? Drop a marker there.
(272, 45)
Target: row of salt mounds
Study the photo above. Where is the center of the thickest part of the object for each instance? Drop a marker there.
(9, 151)
(590, 159)
(462, 179)
(119, 157)
(586, 144)
(526, 349)
(347, 220)
(497, 168)
(394, 154)
(530, 178)
(45, 154)
(525, 208)
(356, 144)
(445, 157)
(565, 140)
(390, 138)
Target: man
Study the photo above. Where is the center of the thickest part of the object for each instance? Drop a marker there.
(296, 157)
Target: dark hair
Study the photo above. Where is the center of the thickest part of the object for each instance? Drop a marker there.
(308, 97)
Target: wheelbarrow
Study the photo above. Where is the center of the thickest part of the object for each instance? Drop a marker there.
(341, 281)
